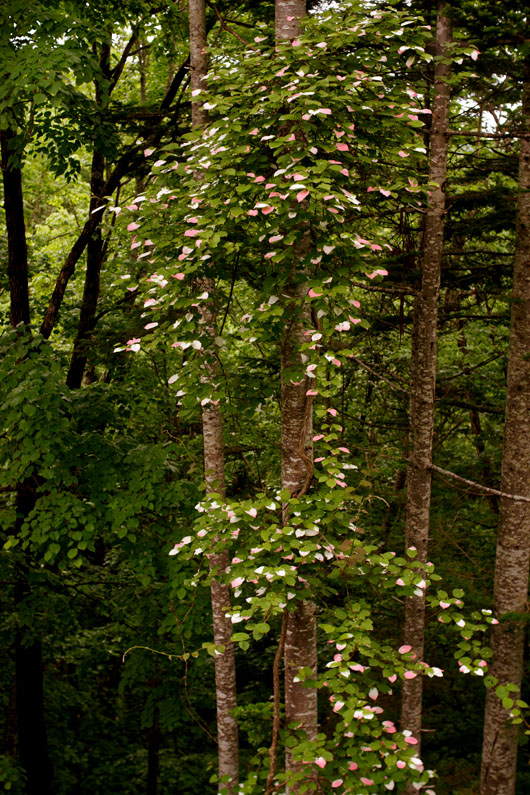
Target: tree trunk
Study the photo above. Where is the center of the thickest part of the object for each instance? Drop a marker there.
(95, 249)
(153, 758)
(17, 252)
(423, 372)
(297, 468)
(499, 753)
(31, 741)
(32, 744)
(94, 261)
(212, 424)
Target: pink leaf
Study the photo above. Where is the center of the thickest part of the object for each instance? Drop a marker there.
(132, 226)
(405, 649)
(301, 195)
(336, 783)
(267, 210)
(179, 276)
(410, 675)
(320, 761)
(252, 212)
(343, 147)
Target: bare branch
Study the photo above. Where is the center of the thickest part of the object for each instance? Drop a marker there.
(485, 489)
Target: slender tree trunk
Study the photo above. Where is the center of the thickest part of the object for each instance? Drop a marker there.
(212, 424)
(95, 248)
(297, 468)
(153, 759)
(94, 261)
(31, 741)
(499, 753)
(17, 251)
(423, 372)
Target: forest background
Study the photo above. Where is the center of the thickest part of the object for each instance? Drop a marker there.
(257, 254)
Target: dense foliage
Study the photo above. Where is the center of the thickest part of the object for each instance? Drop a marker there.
(318, 145)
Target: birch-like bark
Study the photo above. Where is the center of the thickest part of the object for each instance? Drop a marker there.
(297, 468)
(212, 426)
(423, 371)
(499, 752)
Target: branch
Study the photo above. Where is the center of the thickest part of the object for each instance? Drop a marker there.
(485, 489)
(67, 271)
(468, 370)
(390, 290)
(118, 69)
(224, 26)
(378, 375)
(480, 134)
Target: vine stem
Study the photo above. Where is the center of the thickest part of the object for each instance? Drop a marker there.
(276, 708)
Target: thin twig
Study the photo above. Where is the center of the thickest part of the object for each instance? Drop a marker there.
(224, 26)
(229, 301)
(378, 375)
(276, 707)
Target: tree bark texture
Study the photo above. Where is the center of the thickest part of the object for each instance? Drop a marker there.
(17, 252)
(212, 426)
(288, 14)
(499, 753)
(297, 468)
(423, 371)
